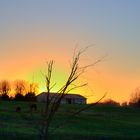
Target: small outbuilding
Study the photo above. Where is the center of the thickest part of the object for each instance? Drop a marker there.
(68, 98)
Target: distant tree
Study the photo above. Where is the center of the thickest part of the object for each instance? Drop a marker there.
(32, 91)
(21, 88)
(135, 97)
(124, 104)
(111, 102)
(5, 88)
(52, 104)
(33, 88)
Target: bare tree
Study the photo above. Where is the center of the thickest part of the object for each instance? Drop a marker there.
(33, 88)
(52, 103)
(135, 97)
(32, 91)
(5, 88)
(21, 88)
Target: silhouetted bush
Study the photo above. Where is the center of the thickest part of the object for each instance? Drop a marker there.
(5, 97)
(19, 97)
(30, 97)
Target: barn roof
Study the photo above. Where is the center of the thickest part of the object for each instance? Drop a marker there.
(69, 95)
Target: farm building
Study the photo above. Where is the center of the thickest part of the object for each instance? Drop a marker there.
(68, 99)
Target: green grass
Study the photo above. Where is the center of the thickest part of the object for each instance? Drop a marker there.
(98, 122)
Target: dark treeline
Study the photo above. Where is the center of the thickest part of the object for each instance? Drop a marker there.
(19, 90)
(134, 100)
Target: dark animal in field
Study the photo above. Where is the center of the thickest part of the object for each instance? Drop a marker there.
(33, 107)
(18, 109)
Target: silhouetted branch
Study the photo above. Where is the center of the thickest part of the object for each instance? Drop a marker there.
(53, 102)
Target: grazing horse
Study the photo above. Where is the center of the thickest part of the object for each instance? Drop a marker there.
(18, 109)
(33, 107)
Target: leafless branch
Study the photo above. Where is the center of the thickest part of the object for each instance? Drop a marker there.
(53, 101)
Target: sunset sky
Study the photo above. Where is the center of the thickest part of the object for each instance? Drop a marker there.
(35, 31)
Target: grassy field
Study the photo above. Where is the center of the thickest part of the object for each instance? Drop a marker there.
(99, 122)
